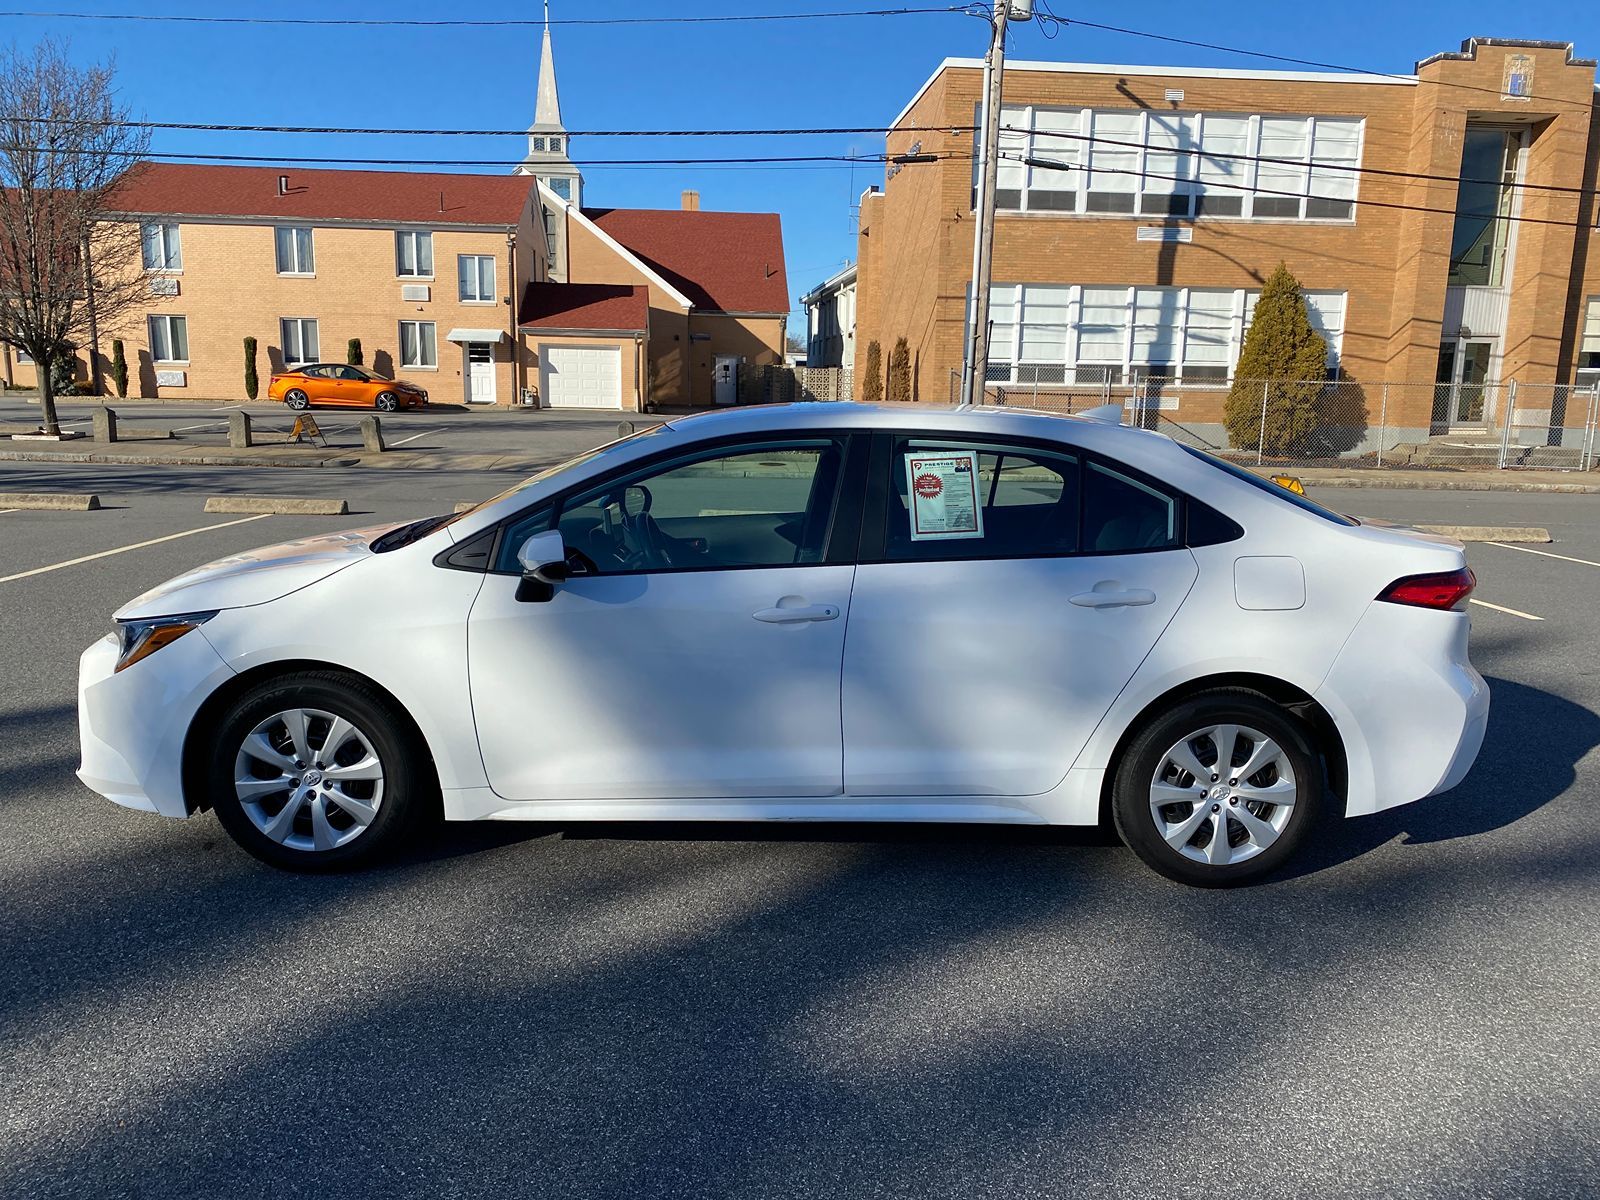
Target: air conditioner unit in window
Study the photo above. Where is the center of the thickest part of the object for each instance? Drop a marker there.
(415, 291)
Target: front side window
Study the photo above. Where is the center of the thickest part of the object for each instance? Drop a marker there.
(163, 251)
(294, 250)
(950, 500)
(413, 254)
(418, 344)
(476, 274)
(169, 339)
(299, 340)
(753, 506)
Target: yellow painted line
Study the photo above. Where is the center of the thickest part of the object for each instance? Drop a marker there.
(1515, 612)
(72, 562)
(1545, 553)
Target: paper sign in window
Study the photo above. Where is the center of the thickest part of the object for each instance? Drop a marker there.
(942, 492)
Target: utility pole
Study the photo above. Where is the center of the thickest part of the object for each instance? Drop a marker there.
(976, 364)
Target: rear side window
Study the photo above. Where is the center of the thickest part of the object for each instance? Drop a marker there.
(960, 501)
(1272, 489)
(1120, 514)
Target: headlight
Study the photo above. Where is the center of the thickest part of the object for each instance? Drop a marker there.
(142, 638)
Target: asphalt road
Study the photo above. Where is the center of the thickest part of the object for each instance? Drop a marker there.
(754, 1011)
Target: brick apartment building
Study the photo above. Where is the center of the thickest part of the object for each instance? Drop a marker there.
(1443, 225)
(483, 289)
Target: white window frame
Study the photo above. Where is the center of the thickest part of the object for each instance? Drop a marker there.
(432, 339)
(299, 324)
(170, 247)
(416, 238)
(1025, 140)
(304, 270)
(165, 321)
(1005, 358)
(477, 279)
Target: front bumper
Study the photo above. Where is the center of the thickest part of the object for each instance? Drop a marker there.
(132, 724)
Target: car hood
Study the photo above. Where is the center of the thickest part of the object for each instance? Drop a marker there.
(256, 576)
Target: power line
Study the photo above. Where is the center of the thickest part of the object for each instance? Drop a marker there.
(481, 22)
(213, 127)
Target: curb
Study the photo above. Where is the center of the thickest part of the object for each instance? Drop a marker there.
(157, 460)
(50, 501)
(1489, 533)
(277, 505)
(1398, 481)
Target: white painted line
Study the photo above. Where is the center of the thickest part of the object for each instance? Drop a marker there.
(207, 425)
(1484, 603)
(4, 511)
(72, 562)
(412, 438)
(1506, 546)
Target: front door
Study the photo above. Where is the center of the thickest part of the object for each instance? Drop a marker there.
(725, 379)
(480, 373)
(1462, 383)
(1013, 599)
(696, 651)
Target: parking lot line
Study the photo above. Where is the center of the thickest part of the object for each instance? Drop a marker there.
(1545, 553)
(413, 437)
(72, 562)
(207, 425)
(4, 511)
(1515, 612)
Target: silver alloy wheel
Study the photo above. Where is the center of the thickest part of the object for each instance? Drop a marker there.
(309, 779)
(1223, 794)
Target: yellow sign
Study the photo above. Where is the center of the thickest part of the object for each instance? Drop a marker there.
(1290, 482)
(305, 430)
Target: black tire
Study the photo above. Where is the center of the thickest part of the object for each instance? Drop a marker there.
(409, 786)
(296, 399)
(1146, 753)
(386, 402)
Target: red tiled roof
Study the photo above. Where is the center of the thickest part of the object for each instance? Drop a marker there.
(615, 306)
(198, 190)
(732, 262)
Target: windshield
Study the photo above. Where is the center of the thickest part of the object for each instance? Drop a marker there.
(1272, 489)
(576, 460)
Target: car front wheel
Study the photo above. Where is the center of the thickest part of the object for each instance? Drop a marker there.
(386, 402)
(1219, 790)
(316, 771)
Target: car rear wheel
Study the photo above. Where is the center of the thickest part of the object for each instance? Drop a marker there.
(386, 402)
(295, 398)
(1219, 790)
(316, 771)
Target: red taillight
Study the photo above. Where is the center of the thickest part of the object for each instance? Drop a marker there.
(1446, 590)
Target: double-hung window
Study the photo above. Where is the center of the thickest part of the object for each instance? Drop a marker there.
(419, 345)
(295, 256)
(476, 275)
(413, 253)
(163, 250)
(169, 339)
(1589, 346)
(299, 340)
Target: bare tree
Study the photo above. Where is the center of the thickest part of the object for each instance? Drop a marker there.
(65, 145)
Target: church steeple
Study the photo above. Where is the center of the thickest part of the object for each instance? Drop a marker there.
(548, 156)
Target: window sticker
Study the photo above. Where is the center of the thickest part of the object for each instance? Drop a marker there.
(942, 490)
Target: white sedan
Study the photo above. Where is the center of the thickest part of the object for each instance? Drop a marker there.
(822, 612)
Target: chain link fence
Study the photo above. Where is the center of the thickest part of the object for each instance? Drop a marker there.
(1344, 423)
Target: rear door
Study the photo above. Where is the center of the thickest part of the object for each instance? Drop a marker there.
(1006, 594)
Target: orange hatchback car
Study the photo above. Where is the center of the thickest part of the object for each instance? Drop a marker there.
(344, 386)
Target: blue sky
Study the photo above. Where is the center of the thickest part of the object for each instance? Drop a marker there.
(816, 73)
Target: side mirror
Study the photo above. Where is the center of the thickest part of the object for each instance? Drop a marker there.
(544, 564)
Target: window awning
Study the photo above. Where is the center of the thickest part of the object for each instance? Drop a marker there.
(475, 335)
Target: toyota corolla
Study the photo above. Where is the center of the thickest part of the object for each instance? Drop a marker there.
(821, 612)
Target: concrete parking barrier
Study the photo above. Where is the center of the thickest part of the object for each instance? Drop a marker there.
(1490, 533)
(624, 428)
(310, 506)
(239, 434)
(371, 435)
(50, 501)
(104, 421)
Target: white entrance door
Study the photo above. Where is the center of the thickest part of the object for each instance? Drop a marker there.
(725, 376)
(480, 373)
(580, 376)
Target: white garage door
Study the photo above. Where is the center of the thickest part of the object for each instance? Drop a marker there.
(581, 376)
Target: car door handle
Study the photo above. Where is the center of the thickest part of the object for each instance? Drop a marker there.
(779, 615)
(1107, 594)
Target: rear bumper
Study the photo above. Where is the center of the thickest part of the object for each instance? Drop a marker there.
(1409, 705)
(132, 724)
